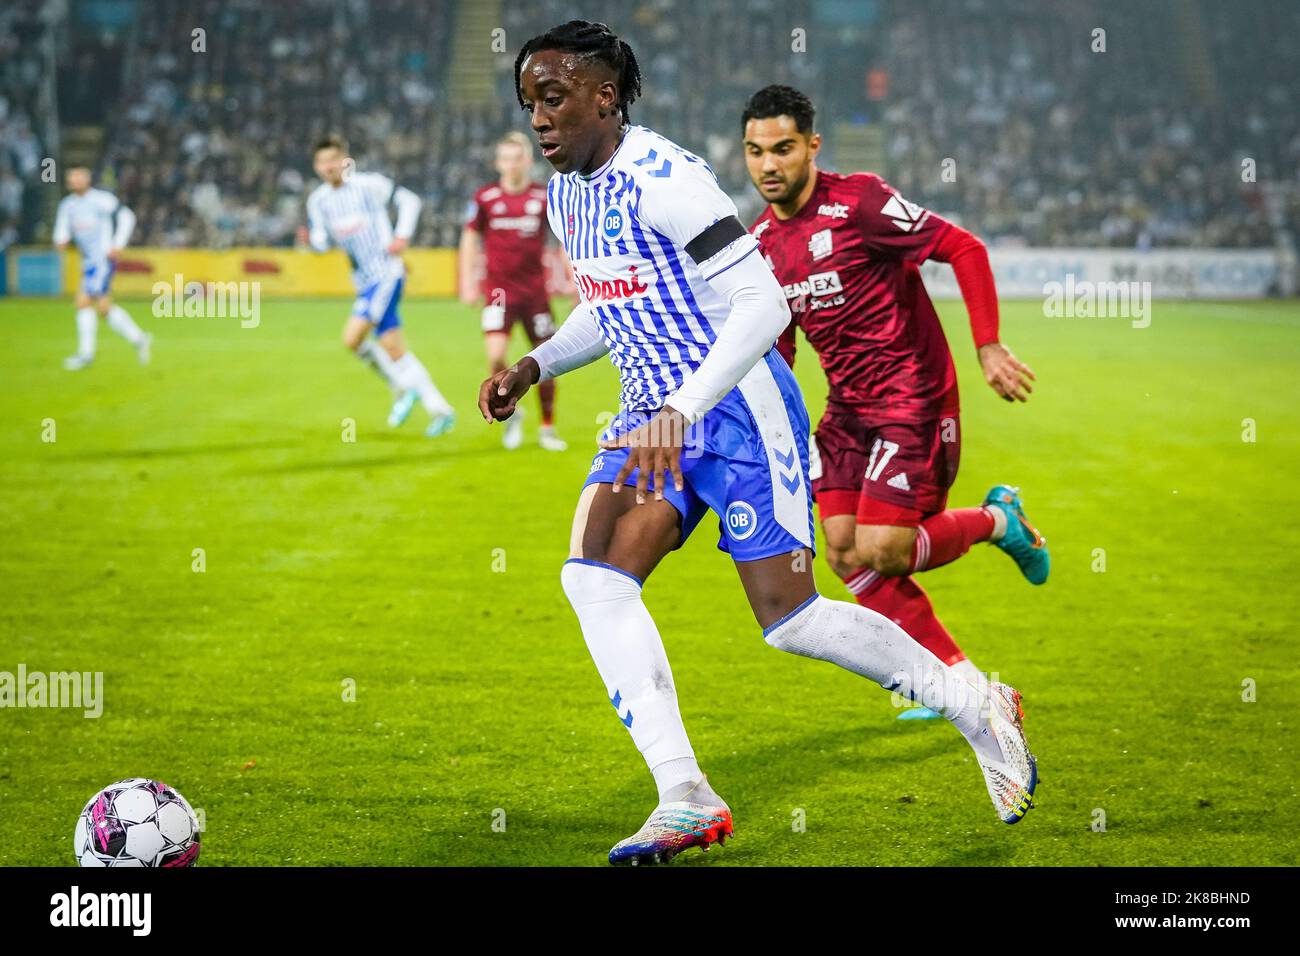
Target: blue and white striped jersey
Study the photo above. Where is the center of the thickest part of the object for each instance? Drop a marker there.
(625, 229)
(354, 216)
(95, 221)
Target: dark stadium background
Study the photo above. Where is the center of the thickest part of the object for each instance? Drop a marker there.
(1068, 147)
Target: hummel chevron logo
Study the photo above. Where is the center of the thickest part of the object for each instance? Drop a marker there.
(649, 159)
(617, 701)
(791, 481)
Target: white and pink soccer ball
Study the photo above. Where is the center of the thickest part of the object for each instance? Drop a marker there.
(136, 822)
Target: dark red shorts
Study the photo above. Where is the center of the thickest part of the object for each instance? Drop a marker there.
(534, 315)
(895, 473)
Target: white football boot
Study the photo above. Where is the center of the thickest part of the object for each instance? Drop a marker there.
(550, 441)
(1011, 780)
(696, 817)
(514, 436)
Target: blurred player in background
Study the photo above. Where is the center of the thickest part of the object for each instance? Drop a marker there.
(674, 291)
(847, 250)
(101, 227)
(501, 262)
(350, 209)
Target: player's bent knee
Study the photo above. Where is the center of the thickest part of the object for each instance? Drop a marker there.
(890, 556)
(843, 561)
(799, 631)
(586, 583)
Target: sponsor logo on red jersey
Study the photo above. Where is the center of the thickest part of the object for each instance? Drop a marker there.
(819, 283)
(820, 244)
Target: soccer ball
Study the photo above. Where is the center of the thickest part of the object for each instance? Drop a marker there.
(136, 822)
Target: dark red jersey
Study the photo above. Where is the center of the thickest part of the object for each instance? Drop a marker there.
(848, 261)
(513, 227)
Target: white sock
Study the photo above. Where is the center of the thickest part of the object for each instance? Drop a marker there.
(411, 373)
(631, 660)
(124, 325)
(967, 669)
(999, 523)
(372, 353)
(871, 645)
(87, 330)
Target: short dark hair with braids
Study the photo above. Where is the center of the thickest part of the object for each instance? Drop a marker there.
(777, 100)
(593, 40)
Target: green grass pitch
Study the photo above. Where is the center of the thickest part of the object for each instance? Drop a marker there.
(427, 572)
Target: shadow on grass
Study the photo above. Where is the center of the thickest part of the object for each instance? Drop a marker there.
(580, 830)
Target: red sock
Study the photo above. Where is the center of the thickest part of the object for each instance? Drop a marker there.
(948, 535)
(905, 603)
(546, 394)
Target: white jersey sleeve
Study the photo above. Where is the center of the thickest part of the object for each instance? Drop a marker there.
(408, 212)
(578, 342)
(62, 226)
(317, 235)
(379, 186)
(684, 206)
(125, 220)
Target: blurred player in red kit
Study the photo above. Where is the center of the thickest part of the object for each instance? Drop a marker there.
(501, 264)
(847, 250)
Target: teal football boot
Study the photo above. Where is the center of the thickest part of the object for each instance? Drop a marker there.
(440, 425)
(401, 410)
(1021, 540)
(919, 713)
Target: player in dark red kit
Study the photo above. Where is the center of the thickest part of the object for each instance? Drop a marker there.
(505, 225)
(847, 251)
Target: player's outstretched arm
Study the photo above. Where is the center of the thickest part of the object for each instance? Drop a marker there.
(498, 395)
(62, 226)
(759, 314)
(123, 226)
(314, 234)
(577, 343)
(969, 258)
(408, 214)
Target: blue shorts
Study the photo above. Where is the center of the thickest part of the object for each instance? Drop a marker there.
(96, 277)
(747, 460)
(377, 304)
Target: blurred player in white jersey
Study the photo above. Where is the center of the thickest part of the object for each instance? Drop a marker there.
(675, 291)
(350, 209)
(100, 226)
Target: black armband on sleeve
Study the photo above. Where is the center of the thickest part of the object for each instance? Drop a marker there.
(714, 239)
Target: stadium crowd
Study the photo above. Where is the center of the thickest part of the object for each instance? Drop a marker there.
(213, 148)
(22, 26)
(1052, 142)
(1056, 140)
